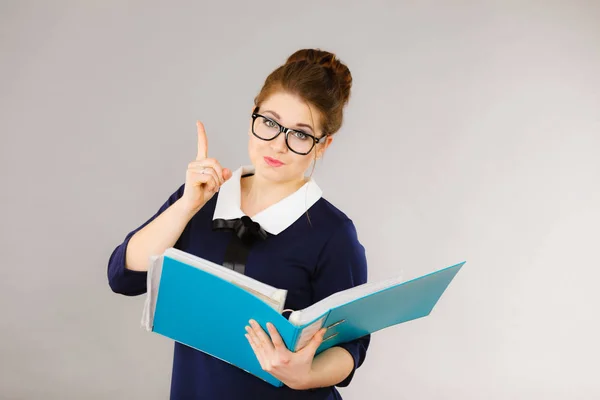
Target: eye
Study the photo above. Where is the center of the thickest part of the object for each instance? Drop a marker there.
(269, 123)
(301, 135)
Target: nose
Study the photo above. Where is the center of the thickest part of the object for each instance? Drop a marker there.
(278, 144)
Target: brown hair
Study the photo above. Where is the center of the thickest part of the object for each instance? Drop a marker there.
(318, 77)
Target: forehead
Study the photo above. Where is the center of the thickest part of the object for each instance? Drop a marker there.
(292, 109)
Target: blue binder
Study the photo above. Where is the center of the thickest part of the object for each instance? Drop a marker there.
(189, 303)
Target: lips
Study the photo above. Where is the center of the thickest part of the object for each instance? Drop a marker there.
(273, 162)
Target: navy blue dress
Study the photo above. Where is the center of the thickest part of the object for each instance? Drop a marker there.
(312, 250)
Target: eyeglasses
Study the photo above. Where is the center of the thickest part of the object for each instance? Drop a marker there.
(297, 141)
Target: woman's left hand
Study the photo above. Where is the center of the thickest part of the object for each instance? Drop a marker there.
(294, 369)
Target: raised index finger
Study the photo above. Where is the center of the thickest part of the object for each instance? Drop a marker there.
(202, 142)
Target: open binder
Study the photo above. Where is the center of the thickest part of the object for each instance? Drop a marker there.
(206, 306)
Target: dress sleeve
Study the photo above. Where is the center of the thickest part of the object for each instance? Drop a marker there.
(125, 281)
(342, 264)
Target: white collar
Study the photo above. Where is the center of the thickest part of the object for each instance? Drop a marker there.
(273, 219)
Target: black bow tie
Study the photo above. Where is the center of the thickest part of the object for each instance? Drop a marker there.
(246, 229)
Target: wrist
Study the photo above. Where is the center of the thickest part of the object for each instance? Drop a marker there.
(184, 209)
(301, 383)
(308, 381)
(328, 369)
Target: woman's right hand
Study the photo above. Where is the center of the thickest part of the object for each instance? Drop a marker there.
(204, 175)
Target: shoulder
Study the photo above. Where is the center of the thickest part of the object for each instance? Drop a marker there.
(341, 250)
(333, 211)
(328, 212)
(333, 222)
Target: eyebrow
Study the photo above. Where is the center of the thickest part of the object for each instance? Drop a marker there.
(279, 118)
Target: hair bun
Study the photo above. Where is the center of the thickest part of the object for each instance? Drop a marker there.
(337, 70)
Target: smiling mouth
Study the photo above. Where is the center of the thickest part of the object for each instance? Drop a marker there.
(273, 162)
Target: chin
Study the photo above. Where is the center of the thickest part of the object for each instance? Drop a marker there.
(274, 174)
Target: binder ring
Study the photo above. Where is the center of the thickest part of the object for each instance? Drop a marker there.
(336, 323)
(330, 336)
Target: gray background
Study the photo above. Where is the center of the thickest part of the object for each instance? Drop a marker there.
(473, 133)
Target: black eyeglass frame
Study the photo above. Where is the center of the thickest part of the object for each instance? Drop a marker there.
(286, 132)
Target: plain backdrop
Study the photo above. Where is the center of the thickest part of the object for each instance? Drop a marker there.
(472, 133)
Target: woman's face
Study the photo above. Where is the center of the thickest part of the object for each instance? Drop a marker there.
(272, 159)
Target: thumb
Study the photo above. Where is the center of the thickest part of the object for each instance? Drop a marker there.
(227, 173)
(316, 341)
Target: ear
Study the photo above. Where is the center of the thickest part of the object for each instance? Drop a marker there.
(321, 149)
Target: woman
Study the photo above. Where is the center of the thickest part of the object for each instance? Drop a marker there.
(301, 242)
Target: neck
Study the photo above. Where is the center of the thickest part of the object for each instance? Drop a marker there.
(259, 193)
